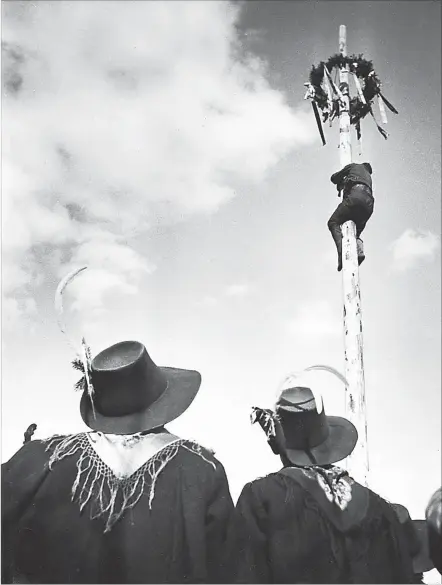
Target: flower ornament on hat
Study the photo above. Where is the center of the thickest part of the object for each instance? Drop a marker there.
(306, 438)
(298, 426)
(124, 391)
(83, 359)
(126, 402)
(269, 420)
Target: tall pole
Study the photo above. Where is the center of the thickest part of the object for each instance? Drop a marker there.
(354, 364)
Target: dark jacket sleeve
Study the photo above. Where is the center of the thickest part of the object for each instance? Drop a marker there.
(22, 476)
(219, 512)
(339, 176)
(246, 548)
(403, 565)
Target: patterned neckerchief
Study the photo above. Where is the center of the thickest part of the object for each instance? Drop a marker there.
(334, 482)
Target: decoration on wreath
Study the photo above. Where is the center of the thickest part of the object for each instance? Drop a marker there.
(327, 97)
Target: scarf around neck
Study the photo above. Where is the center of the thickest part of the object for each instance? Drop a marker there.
(334, 482)
(114, 471)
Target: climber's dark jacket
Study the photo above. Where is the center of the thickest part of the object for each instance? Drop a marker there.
(352, 174)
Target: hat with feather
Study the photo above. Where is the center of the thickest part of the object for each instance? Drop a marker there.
(123, 390)
(299, 428)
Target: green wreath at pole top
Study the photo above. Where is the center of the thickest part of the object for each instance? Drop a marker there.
(369, 87)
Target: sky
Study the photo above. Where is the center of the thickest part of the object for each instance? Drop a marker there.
(168, 147)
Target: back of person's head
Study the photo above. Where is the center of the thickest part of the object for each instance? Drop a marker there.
(433, 516)
(298, 430)
(311, 436)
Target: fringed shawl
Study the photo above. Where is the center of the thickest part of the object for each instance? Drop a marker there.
(110, 496)
(164, 521)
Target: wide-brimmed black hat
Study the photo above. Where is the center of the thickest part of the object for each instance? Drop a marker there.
(131, 394)
(312, 437)
(416, 534)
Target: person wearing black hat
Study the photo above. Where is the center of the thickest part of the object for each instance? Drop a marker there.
(354, 181)
(311, 522)
(127, 502)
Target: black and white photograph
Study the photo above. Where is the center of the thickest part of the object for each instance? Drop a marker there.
(221, 291)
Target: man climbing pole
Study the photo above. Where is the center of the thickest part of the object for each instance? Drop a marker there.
(354, 181)
(335, 102)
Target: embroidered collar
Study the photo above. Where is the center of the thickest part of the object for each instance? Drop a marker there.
(124, 454)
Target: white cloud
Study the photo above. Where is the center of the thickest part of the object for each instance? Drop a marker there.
(18, 311)
(315, 321)
(118, 114)
(232, 291)
(237, 290)
(210, 301)
(413, 247)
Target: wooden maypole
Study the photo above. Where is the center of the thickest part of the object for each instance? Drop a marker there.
(358, 462)
(335, 102)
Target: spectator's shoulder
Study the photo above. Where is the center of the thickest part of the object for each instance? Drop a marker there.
(196, 450)
(273, 485)
(380, 507)
(32, 450)
(37, 452)
(23, 473)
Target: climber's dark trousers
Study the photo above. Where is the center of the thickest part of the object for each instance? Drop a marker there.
(357, 205)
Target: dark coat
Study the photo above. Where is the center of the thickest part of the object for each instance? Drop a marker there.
(279, 534)
(178, 539)
(434, 524)
(352, 174)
